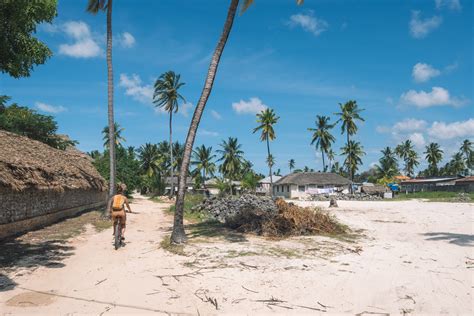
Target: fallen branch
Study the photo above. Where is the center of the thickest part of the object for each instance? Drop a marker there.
(248, 265)
(177, 276)
(249, 289)
(206, 299)
(99, 282)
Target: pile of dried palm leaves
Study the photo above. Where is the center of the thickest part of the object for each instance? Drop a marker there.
(293, 220)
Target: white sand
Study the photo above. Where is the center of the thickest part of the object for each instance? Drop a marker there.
(416, 257)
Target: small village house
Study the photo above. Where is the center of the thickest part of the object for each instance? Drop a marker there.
(305, 184)
(40, 185)
(189, 184)
(428, 184)
(465, 184)
(213, 188)
(263, 186)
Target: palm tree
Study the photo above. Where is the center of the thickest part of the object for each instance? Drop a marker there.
(150, 159)
(387, 167)
(166, 96)
(93, 6)
(434, 155)
(350, 113)
(291, 164)
(267, 119)
(353, 152)
(322, 137)
(331, 155)
(119, 139)
(203, 161)
(403, 151)
(231, 157)
(466, 149)
(457, 165)
(178, 235)
(270, 163)
(411, 162)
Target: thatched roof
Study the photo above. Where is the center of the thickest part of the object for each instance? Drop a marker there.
(27, 163)
(317, 178)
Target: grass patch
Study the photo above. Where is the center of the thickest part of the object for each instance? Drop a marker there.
(167, 245)
(284, 252)
(236, 254)
(190, 201)
(440, 196)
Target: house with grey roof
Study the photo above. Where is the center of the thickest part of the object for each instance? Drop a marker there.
(263, 186)
(305, 184)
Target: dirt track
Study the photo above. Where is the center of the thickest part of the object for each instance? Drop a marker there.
(415, 258)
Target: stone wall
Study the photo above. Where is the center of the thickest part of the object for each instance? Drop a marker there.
(21, 211)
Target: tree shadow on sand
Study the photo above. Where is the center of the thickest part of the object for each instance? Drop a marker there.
(212, 229)
(464, 240)
(16, 254)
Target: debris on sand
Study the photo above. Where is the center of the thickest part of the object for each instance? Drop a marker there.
(272, 218)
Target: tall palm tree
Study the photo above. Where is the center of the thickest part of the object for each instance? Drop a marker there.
(404, 148)
(150, 159)
(231, 157)
(331, 155)
(387, 167)
(411, 162)
(457, 164)
(434, 155)
(166, 96)
(119, 139)
(322, 137)
(203, 160)
(270, 162)
(93, 7)
(350, 113)
(353, 152)
(466, 149)
(291, 164)
(178, 235)
(267, 118)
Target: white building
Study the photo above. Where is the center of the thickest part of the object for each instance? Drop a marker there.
(263, 186)
(305, 184)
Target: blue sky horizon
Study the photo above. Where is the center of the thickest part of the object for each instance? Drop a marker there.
(409, 64)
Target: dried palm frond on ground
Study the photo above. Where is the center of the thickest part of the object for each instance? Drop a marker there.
(293, 220)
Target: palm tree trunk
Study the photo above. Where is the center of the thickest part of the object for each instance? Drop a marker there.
(110, 107)
(349, 167)
(178, 235)
(171, 155)
(270, 166)
(324, 164)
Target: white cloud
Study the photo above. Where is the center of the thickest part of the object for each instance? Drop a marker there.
(204, 132)
(424, 72)
(309, 23)
(253, 106)
(84, 45)
(442, 130)
(420, 28)
(437, 97)
(418, 140)
(451, 67)
(126, 40)
(454, 5)
(50, 108)
(134, 88)
(409, 125)
(216, 115)
(184, 108)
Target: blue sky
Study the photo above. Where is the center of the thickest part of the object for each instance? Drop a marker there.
(409, 64)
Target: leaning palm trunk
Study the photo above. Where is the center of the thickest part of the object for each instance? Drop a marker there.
(178, 235)
(171, 156)
(110, 103)
(349, 166)
(270, 166)
(324, 163)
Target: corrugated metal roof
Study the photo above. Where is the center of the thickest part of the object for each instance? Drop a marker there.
(429, 180)
(317, 178)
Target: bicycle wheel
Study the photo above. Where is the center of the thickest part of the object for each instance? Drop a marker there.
(118, 234)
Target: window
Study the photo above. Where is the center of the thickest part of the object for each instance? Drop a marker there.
(288, 188)
(278, 188)
(301, 188)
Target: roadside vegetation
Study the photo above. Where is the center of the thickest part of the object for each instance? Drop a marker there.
(437, 196)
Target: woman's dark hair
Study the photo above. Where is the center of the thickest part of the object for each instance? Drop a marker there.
(121, 187)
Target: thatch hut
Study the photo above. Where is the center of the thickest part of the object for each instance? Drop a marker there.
(40, 184)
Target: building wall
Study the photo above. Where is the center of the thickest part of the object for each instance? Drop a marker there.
(29, 209)
(294, 192)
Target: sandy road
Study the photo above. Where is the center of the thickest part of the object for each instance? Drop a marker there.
(416, 258)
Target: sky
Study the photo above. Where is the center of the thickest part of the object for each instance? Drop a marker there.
(408, 64)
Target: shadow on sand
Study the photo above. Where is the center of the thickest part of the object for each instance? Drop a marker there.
(464, 240)
(17, 254)
(212, 229)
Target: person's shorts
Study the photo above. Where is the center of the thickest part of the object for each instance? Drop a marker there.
(119, 214)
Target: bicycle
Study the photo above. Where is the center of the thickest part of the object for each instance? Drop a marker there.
(118, 234)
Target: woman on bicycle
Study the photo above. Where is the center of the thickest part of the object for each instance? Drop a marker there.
(117, 209)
